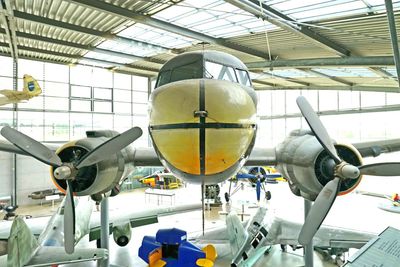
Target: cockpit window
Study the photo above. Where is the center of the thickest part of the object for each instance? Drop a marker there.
(219, 72)
(189, 71)
(243, 77)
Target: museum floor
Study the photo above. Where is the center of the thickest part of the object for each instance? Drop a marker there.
(353, 211)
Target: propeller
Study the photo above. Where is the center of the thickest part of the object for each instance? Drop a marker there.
(341, 169)
(68, 170)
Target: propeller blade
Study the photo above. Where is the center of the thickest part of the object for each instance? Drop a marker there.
(319, 210)
(381, 169)
(317, 127)
(31, 146)
(69, 220)
(110, 147)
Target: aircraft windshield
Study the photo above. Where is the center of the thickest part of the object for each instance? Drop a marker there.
(189, 71)
(207, 69)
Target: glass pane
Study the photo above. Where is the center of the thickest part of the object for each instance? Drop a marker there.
(81, 91)
(33, 103)
(139, 97)
(243, 77)
(6, 118)
(122, 107)
(264, 134)
(291, 106)
(122, 81)
(328, 100)
(102, 93)
(219, 72)
(6, 83)
(122, 95)
(102, 122)
(79, 124)
(392, 98)
(278, 102)
(56, 103)
(33, 68)
(122, 123)
(264, 103)
(279, 131)
(56, 89)
(372, 99)
(80, 105)
(31, 124)
(81, 75)
(139, 108)
(102, 106)
(56, 126)
(6, 66)
(139, 83)
(56, 72)
(102, 77)
(349, 100)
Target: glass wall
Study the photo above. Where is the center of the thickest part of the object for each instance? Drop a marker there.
(74, 99)
(349, 116)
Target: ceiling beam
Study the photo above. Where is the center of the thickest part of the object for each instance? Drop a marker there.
(393, 36)
(289, 79)
(160, 24)
(334, 88)
(277, 18)
(324, 62)
(321, 74)
(263, 82)
(7, 19)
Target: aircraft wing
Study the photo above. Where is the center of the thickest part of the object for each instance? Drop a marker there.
(236, 233)
(375, 148)
(137, 218)
(49, 256)
(36, 225)
(9, 147)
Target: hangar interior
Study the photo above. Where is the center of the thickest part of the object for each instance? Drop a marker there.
(97, 64)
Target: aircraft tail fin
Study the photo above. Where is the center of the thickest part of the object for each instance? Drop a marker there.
(31, 86)
(236, 232)
(22, 244)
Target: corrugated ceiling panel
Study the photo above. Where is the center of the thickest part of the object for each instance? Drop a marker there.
(45, 57)
(54, 32)
(49, 46)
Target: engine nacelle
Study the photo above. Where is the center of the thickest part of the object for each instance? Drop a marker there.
(98, 178)
(122, 234)
(308, 167)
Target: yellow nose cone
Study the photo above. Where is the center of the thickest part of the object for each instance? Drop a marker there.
(202, 126)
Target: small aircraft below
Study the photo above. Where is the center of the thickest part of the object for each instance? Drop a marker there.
(392, 205)
(161, 179)
(30, 90)
(170, 248)
(48, 249)
(251, 241)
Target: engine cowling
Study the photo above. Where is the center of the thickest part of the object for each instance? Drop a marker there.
(122, 234)
(308, 167)
(98, 178)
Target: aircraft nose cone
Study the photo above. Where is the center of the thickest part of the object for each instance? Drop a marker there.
(202, 126)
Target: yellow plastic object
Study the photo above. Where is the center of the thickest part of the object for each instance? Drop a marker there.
(155, 258)
(211, 252)
(204, 262)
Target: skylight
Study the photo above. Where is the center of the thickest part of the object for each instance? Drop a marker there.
(214, 18)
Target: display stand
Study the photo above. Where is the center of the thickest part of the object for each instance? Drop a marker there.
(309, 248)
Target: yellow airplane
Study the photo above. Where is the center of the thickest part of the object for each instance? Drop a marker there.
(31, 89)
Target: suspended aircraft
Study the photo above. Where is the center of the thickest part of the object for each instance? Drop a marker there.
(30, 90)
(48, 249)
(203, 128)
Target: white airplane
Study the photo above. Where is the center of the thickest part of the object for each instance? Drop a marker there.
(30, 90)
(23, 249)
(252, 241)
(203, 128)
